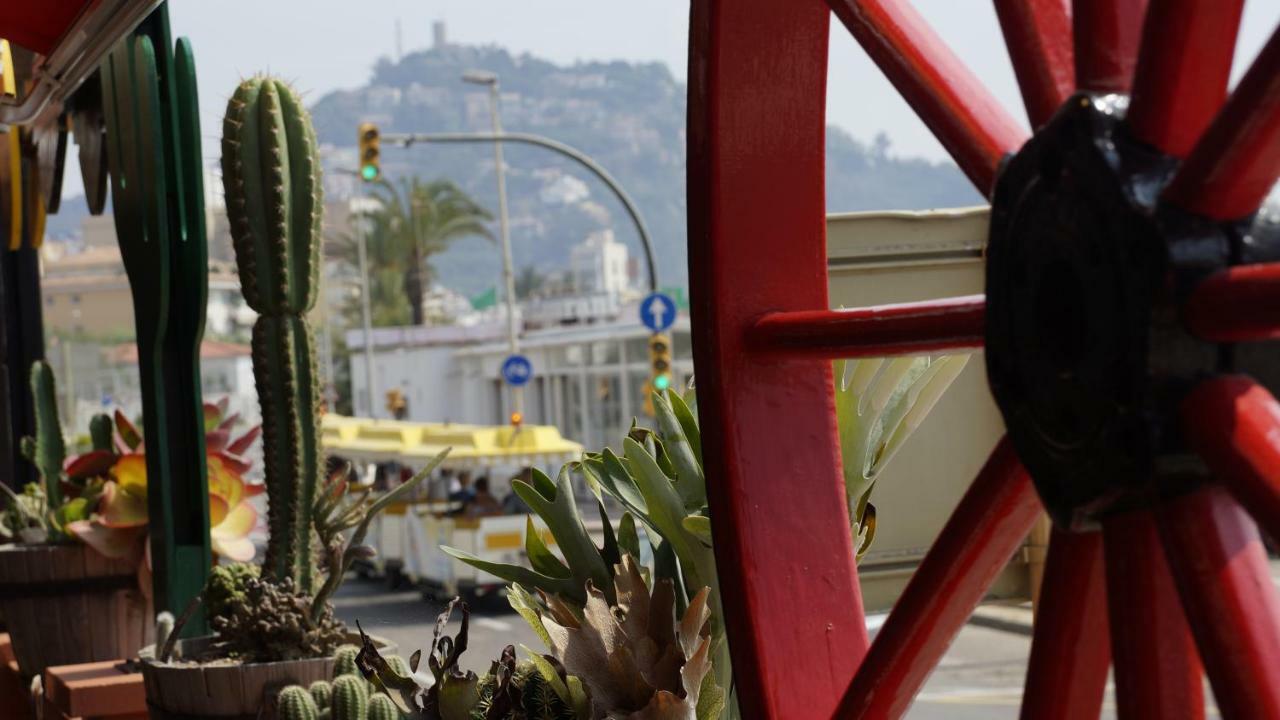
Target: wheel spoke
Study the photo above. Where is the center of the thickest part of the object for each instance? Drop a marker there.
(991, 520)
(1106, 43)
(1070, 652)
(1235, 163)
(1183, 70)
(881, 331)
(1037, 34)
(1238, 304)
(965, 117)
(1221, 571)
(1157, 670)
(1231, 422)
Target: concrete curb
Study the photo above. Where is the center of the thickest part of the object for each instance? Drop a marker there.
(1011, 619)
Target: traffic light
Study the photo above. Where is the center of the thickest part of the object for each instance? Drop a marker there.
(660, 361)
(370, 153)
(517, 419)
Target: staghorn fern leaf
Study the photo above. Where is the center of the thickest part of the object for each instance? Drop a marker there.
(879, 403)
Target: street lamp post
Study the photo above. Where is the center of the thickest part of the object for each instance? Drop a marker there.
(481, 77)
(366, 312)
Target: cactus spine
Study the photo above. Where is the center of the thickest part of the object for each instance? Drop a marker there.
(48, 450)
(271, 178)
(350, 698)
(295, 703)
(100, 430)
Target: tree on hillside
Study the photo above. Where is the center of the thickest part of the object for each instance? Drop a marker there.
(415, 222)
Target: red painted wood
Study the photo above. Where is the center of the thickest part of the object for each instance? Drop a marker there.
(1038, 36)
(1238, 304)
(992, 519)
(1183, 69)
(879, 331)
(1233, 422)
(1235, 164)
(1070, 651)
(969, 122)
(38, 26)
(1222, 575)
(757, 84)
(1157, 670)
(1107, 33)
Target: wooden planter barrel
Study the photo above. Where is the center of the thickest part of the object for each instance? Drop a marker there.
(66, 604)
(177, 691)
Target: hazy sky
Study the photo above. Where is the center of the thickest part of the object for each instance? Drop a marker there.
(327, 44)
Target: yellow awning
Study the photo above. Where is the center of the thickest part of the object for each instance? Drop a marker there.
(473, 446)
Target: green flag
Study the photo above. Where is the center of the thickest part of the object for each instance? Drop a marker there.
(485, 300)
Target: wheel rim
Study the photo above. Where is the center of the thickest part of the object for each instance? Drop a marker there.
(757, 252)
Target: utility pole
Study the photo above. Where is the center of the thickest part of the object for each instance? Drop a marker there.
(481, 77)
(366, 314)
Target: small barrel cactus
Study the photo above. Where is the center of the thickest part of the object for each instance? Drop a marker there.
(295, 703)
(322, 692)
(350, 698)
(344, 661)
(271, 178)
(100, 430)
(381, 708)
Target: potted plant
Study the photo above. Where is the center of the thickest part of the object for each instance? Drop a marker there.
(63, 601)
(274, 625)
(80, 535)
(622, 640)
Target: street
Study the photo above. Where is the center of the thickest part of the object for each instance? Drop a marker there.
(980, 678)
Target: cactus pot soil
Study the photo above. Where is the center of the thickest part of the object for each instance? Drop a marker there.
(227, 690)
(65, 604)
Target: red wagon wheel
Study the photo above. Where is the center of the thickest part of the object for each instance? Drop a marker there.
(1126, 258)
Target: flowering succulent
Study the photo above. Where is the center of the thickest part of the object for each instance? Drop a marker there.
(116, 519)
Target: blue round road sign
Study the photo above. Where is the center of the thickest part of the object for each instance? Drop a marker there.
(517, 370)
(658, 311)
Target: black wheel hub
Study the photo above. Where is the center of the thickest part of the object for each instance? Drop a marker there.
(1085, 353)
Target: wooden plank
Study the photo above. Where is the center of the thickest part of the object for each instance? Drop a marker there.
(106, 689)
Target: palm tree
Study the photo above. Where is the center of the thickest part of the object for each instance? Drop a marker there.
(418, 220)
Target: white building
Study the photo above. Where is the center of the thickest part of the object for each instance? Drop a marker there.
(599, 265)
(588, 380)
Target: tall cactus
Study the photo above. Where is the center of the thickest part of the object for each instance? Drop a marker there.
(46, 450)
(271, 178)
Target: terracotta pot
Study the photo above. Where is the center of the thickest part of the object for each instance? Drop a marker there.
(66, 604)
(227, 692)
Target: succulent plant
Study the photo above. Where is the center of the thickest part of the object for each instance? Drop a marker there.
(381, 708)
(100, 432)
(226, 586)
(271, 178)
(295, 703)
(47, 450)
(164, 628)
(535, 690)
(634, 658)
(879, 403)
(322, 693)
(271, 621)
(350, 698)
(344, 661)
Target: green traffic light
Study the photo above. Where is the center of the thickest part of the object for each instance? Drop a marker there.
(369, 172)
(662, 382)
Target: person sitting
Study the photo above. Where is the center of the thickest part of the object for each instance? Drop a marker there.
(464, 493)
(483, 502)
(513, 504)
